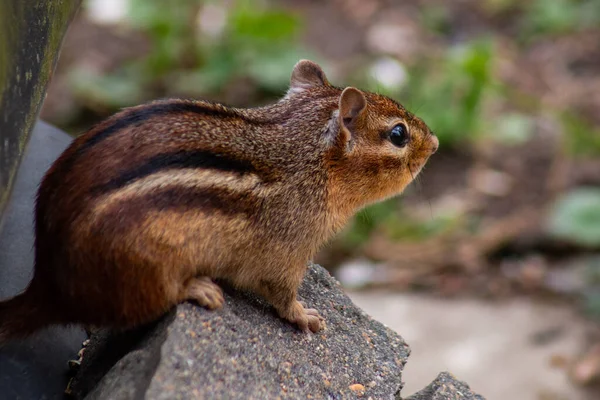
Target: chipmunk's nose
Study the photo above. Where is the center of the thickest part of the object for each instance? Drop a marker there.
(435, 143)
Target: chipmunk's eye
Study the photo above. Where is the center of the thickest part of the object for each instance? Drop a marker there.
(399, 135)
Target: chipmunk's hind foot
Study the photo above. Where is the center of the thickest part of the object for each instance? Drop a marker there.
(205, 292)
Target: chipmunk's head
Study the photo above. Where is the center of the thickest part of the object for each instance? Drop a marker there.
(376, 147)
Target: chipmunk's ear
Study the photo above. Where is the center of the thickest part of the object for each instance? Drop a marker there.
(307, 74)
(351, 111)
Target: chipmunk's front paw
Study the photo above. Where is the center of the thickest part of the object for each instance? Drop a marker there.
(307, 319)
(205, 292)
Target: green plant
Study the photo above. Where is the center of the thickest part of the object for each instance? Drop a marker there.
(576, 217)
(581, 138)
(450, 94)
(435, 18)
(551, 17)
(396, 223)
(366, 221)
(256, 42)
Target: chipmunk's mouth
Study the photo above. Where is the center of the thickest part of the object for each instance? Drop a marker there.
(419, 159)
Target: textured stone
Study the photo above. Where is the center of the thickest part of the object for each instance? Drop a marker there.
(446, 387)
(244, 351)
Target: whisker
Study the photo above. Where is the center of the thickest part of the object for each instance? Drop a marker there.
(419, 107)
(419, 185)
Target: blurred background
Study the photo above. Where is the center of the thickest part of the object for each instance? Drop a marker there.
(489, 264)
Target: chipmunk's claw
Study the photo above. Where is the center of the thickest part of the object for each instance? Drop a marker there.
(307, 319)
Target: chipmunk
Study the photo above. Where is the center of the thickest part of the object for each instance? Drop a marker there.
(147, 208)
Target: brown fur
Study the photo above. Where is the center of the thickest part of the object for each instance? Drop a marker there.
(141, 211)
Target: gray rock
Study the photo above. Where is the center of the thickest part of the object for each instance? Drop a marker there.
(34, 368)
(446, 387)
(244, 351)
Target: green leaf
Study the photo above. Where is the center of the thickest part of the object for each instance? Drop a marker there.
(576, 217)
(250, 21)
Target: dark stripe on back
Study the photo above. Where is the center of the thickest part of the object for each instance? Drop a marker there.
(205, 199)
(178, 160)
(131, 213)
(143, 114)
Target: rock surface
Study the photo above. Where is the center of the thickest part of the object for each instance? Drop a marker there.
(244, 351)
(446, 387)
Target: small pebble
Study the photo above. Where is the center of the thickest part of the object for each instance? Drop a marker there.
(357, 387)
